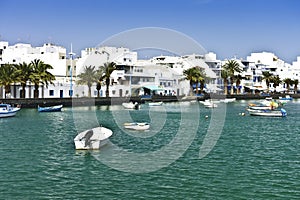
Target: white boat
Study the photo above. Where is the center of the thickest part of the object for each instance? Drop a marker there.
(209, 103)
(155, 103)
(137, 126)
(131, 105)
(6, 110)
(269, 113)
(285, 99)
(228, 100)
(92, 139)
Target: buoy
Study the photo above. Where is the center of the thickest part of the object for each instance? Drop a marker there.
(206, 116)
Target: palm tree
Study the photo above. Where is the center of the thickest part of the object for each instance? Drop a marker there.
(201, 77)
(23, 72)
(296, 82)
(224, 76)
(232, 66)
(7, 77)
(99, 82)
(191, 75)
(88, 77)
(40, 75)
(288, 82)
(108, 68)
(238, 83)
(267, 76)
(276, 80)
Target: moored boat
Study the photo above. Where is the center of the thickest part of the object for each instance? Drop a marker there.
(137, 126)
(131, 105)
(269, 113)
(6, 110)
(50, 108)
(228, 100)
(155, 103)
(285, 99)
(209, 103)
(92, 139)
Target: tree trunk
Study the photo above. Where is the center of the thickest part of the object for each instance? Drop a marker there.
(23, 93)
(36, 91)
(107, 88)
(7, 90)
(197, 83)
(191, 88)
(231, 86)
(89, 92)
(225, 87)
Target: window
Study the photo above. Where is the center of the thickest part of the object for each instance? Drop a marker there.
(114, 92)
(51, 92)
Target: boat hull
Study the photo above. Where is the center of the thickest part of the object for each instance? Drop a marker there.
(94, 141)
(259, 107)
(137, 126)
(228, 100)
(50, 109)
(7, 111)
(131, 105)
(155, 103)
(8, 114)
(268, 113)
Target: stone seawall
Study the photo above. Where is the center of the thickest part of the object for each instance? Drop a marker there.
(69, 102)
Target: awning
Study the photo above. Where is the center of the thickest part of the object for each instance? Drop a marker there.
(153, 87)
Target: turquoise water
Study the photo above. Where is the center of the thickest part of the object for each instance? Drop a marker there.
(253, 157)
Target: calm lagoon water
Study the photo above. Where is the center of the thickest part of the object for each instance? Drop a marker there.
(253, 157)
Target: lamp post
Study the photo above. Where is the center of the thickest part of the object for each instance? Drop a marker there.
(130, 81)
(71, 70)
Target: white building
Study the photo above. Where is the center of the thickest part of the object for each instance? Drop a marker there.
(179, 64)
(266, 61)
(51, 54)
(161, 75)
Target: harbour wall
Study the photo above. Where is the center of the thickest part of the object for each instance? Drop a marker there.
(70, 102)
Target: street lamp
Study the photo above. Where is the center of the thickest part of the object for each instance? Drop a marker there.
(71, 69)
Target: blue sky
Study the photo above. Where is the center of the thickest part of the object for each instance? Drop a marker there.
(227, 27)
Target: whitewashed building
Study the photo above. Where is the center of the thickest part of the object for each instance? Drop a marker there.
(51, 54)
(160, 75)
(267, 61)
